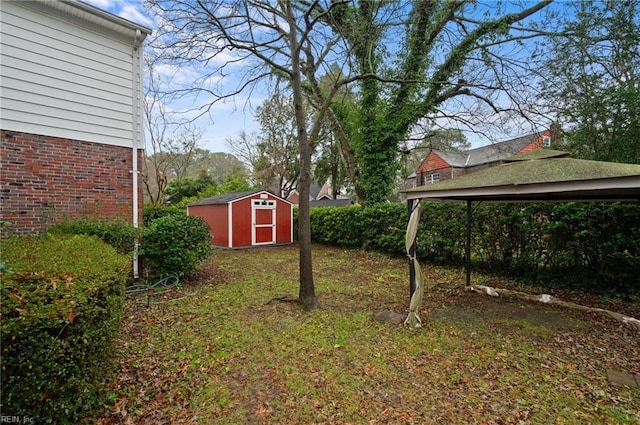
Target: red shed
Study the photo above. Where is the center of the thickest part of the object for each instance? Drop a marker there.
(244, 219)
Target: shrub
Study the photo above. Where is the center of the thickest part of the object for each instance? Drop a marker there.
(119, 234)
(383, 228)
(441, 234)
(176, 244)
(152, 212)
(593, 245)
(336, 226)
(60, 315)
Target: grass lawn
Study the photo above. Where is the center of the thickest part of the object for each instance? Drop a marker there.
(229, 348)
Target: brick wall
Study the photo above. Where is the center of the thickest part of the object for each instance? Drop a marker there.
(45, 179)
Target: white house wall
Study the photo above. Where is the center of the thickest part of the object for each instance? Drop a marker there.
(63, 77)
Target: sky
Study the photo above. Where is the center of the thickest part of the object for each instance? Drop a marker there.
(224, 120)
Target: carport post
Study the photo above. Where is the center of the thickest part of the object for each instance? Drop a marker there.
(467, 248)
(411, 253)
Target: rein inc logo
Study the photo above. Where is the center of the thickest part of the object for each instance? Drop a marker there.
(16, 420)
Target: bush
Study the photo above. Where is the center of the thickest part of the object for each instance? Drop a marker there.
(336, 226)
(176, 244)
(593, 246)
(152, 213)
(119, 234)
(441, 234)
(383, 228)
(61, 306)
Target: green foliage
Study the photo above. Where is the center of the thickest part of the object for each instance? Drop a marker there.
(336, 226)
(593, 83)
(176, 244)
(383, 227)
(600, 243)
(188, 187)
(441, 235)
(119, 234)
(234, 183)
(61, 305)
(152, 212)
(572, 245)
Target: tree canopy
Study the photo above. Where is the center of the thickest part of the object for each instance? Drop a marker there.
(591, 80)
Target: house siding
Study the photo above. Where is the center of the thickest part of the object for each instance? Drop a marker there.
(536, 144)
(66, 78)
(46, 179)
(432, 162)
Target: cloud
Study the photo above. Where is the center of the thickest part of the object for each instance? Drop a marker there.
(133, 13)
(102, 4)
(131, 10)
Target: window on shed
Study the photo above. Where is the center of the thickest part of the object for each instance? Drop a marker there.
(263, 203)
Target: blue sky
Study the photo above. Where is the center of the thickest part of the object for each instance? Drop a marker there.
(224, 120)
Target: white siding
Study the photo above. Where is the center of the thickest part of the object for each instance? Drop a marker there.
(64, 77)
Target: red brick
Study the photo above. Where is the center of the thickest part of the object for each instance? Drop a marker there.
(44, 179)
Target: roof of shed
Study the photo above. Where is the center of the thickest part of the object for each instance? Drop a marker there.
(539, 175)
(225, 198)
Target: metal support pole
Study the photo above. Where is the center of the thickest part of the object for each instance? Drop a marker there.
(467, 250)
(411, 253)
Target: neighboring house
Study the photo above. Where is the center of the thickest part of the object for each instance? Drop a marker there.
(294, 195)
(321, 196)
(70, 114)
(440, 165)
(327, 202)
(244, 219)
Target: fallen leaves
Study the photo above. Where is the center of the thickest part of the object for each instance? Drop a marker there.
(225, 350)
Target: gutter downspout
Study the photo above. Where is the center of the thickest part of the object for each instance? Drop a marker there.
(136, 72)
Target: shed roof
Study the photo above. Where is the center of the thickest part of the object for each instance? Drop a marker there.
(539, 175)
(225, 198)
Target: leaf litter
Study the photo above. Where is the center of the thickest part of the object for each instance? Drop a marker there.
(226, 347)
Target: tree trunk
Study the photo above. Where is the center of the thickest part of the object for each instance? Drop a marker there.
(307, 295)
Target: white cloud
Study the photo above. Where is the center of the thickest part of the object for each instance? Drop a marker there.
(102, 4)
(133, 13)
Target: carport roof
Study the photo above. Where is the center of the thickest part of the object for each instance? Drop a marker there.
(536, 176)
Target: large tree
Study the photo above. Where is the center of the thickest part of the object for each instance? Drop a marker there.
(256, 40)
(421, 60)
(592, 81)
(405, 58)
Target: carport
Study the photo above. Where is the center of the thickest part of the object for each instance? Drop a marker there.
(542, 175)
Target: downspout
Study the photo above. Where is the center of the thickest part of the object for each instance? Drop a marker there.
(136, 67)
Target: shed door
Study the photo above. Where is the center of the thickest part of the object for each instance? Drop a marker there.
(263, 220)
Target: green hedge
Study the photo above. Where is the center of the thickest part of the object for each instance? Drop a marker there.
(119, 234)
(586, 245)
(61, 305)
